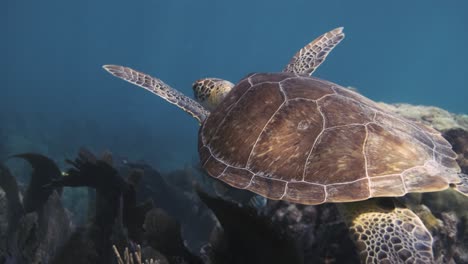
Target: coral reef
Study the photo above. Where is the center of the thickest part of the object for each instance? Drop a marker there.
(450, 209)
(134, 257)
(433, 116)
(459, 140)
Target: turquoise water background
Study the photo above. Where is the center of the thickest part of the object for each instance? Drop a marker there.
(54, 91)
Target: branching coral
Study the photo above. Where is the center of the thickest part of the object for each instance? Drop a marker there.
(132, 257)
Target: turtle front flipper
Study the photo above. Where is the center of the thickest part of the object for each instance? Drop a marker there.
(306, 60)
(161, 89)
(387, 234)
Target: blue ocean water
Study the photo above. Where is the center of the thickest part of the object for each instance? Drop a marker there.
(54, 91)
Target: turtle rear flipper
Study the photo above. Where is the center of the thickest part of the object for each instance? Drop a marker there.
(387, 235)
(159, 88)
(306, 60)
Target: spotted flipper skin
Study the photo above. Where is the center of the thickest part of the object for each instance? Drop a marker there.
(158, 87)
(309, 58)
(387, 235)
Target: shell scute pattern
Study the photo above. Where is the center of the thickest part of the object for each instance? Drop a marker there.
(343, 145)
(310, 141)
(268, 77)
(350, 191)
(355, 96)
(299, 88)
(217, 117)
(307, 193)
(389, 152)
(355, 113)
(250, 118)
(239, 178)
(268, 187)
(287, 137)
(216, 167)
(403, 127)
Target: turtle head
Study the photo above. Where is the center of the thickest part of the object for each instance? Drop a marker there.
(211, 91)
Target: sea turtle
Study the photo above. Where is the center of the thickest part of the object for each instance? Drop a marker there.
(293, 137)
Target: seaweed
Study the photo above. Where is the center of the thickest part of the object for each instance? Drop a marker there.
(88, 171)
(182, 204)
(44, 171)
(15, 210)
(38, 226)
(163, 233)
(119, 218)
